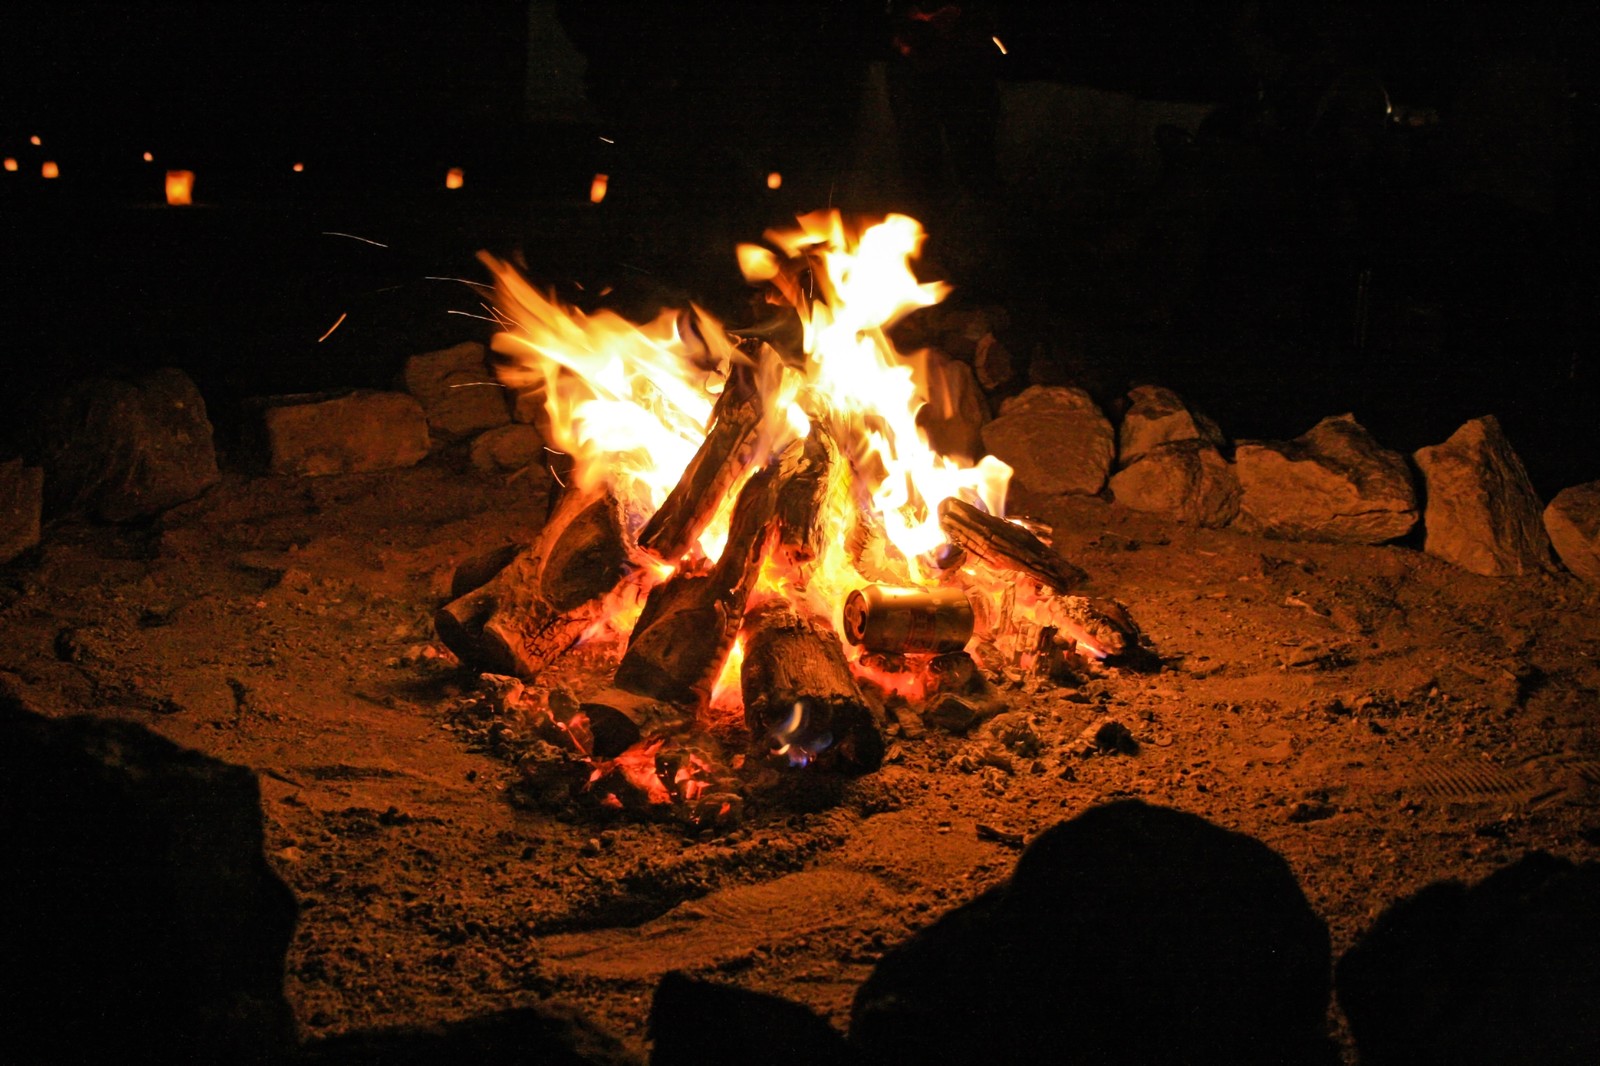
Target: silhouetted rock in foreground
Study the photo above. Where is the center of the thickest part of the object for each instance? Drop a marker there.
(142, 923)
(699, 1023)
(507, 1038)
(1130, 934)
(1507, 971)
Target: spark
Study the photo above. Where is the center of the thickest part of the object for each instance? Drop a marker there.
(608, 140)
(463, 281)
(352, 236)
(337, 323)
(1000, 45)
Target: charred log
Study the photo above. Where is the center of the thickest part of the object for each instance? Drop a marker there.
(1006, 546)
(538, 605)
(478, 571)
(809, 467)
(1103, 627)
(619, 719)
(799, 693)
(727, 450)
(690, 621)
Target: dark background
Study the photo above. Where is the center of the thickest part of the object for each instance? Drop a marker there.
(1286, 260)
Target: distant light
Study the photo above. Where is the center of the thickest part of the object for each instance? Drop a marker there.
(10, 165)
(49, 169)
(180, 188)
(998, 43)
(774, 180)
(35, 141)
(608, 140)
(597, 188)
(454, 178)
(149, 157)
(299, 168)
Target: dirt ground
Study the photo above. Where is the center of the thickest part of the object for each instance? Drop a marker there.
(1382, 719)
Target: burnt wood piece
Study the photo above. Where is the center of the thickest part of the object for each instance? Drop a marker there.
(478, 571)
(799, 692)
(725, 453)
(1103, 626)
(1006, 546)
(619, 719)
(543, 600)
(689, 622)
(809, 467)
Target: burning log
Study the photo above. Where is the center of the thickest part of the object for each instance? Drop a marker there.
(1103, 627)
(539, 604)
(1006, 546)
(689, 622)
(902, 621)
(801, 531)
(724, 454)
(799, 693)
(619, 719)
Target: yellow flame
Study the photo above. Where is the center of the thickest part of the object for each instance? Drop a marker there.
(180, 187)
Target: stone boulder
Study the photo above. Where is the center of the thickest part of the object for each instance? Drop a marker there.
(142, 922)
(1157, 415)
(1482, 513)
(1573, 522)
(315, 434)
(954, 416)
(1184, 481)
(21, 505)
(1333, 483)
(1055, 438)
(507, 448)
(457, 391)
(122, 450)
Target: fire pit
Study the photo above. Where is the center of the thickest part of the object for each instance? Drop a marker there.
(763, 532)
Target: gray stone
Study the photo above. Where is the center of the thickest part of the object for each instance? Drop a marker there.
(314, 434)
(1573, 522)
(956, 410)
(1334, 483)
(457, 390)
(1156, 416)
(1055, 438)
(1482, 513)
(507, 448)
(1184, 481)
(121, 450)
(21, 505)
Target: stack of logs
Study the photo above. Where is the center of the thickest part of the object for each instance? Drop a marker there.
(521, 610)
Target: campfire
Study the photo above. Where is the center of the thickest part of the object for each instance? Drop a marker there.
(762, 533)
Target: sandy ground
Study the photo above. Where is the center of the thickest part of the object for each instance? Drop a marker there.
(1380, 718)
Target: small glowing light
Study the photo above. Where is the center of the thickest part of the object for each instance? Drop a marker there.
(149, 157)
(180, 188)
(597, 188)
(49, 169)
(11, 165)
(35, 141)
(608, 140)
(774, 180)
(336, 324)
(454, 178)
(299, 168)
(998, 43)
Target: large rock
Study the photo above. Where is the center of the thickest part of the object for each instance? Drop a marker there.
(311, 435)
(506, 448)
(1482, 513)
(1184, 481)
(457, 391)
(1503, 971)
(1573, 522)
(1156, 416)
(21, 504)
(1333, 483)
(142, 923)
(121, 450)
(1130, 934)
(1055, 438)
(956, 410)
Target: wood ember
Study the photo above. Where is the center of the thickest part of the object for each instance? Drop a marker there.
(619, 719)
(690, 621)
(799, 692)
(726, 452)
(1103, 626)
(1006, 546)
(538, 605)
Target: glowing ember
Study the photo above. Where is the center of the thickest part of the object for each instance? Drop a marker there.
(149, 157)
(597, 188)
(180, 187)
(49, 169)
(10, 165)
(454, 178)
(774, 180)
